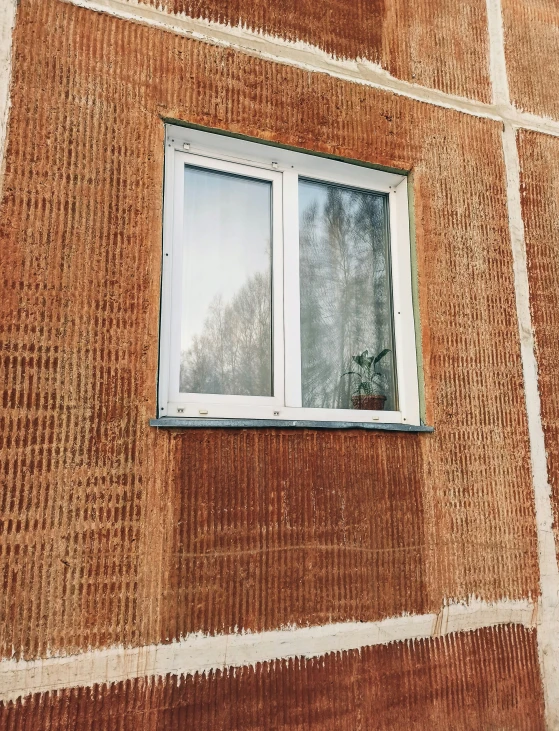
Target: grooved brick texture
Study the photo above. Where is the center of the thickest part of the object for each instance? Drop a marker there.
(539, 160)
(481, 680)
(442, 44)
(532, 54)
(115, 532)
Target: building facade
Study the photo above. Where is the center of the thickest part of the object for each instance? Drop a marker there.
(170, 575)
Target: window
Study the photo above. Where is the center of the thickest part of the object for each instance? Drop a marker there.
(286, 286)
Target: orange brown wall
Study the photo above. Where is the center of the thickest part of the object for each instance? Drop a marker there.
(486, 679)
(114, 532)
(440, 44)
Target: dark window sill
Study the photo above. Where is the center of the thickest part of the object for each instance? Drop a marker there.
(169, 422)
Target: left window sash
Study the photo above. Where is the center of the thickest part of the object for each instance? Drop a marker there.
(187, 293)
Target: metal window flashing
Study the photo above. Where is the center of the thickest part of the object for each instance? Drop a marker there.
(168, 422)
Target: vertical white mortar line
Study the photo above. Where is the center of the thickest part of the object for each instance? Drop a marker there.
(7, 21)
(548, 619)
(497, 60)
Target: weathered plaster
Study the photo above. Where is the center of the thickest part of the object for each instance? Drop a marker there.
(7, 20)
(311, 58)
(548, 619)
(198, 653)
(497, 63)
(485, 679)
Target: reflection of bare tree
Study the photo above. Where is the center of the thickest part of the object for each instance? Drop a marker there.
(345, 297)
(232, 355)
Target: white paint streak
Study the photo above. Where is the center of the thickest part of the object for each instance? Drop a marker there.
(313, 59)
(202, 654)
(548, 616)
(7, 20)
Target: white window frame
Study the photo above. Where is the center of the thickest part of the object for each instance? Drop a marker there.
(282, 168)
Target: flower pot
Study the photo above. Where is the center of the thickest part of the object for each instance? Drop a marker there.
(372, 402)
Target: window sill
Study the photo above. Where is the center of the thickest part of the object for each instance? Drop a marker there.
(169, 422)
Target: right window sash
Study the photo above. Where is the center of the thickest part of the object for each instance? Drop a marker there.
(350, 345)
(347, 341)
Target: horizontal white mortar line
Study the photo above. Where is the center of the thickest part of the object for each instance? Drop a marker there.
(199, 653)
(311, 58)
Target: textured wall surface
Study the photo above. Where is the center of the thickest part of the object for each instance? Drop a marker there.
(532, 53)
(481, 680)
(539, 157)
(294, 527)
(113, 531)
(436, 43)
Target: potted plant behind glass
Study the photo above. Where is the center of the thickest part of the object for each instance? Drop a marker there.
(368, 394)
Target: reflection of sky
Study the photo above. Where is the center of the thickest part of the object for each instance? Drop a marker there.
(311, 193)
(227, 231)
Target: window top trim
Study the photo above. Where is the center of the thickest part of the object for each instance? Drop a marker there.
(260, 154)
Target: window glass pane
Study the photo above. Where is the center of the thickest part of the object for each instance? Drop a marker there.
(226, 333)
(346, 312)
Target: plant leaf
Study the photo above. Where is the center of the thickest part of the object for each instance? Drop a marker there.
(381, 355)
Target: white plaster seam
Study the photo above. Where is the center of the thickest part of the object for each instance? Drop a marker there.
(7, 21)
(548, 615)
(313, 59)
(497, 60)
(198, 653)
(548, 611)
